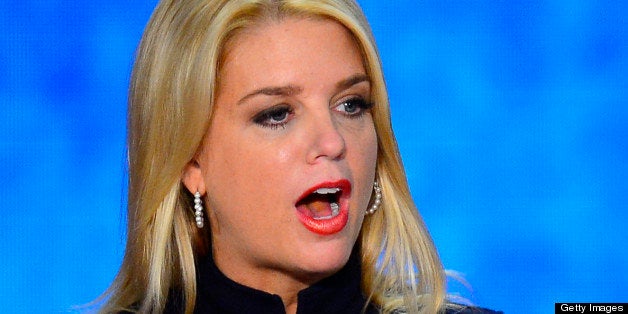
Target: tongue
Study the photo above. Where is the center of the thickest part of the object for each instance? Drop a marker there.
(318, 208)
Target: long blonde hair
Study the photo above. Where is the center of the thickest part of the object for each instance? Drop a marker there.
(171, 96)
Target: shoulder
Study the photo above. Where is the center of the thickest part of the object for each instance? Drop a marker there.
(453, 308)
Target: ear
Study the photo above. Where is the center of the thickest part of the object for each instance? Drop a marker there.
(192, 178)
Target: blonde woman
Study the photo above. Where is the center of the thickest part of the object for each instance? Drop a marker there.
(264, 176)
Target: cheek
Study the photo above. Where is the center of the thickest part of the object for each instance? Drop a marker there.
(362, 158)
(284, 154)
(372, 148)
(243, 173)
(366, 148)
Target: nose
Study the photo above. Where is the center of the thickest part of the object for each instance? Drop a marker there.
(326, 139)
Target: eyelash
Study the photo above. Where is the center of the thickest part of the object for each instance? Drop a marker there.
(362, 106)
(265, 117)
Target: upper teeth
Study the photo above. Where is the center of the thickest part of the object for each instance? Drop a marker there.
(327, 190)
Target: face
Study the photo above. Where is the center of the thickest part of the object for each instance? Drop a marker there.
(288, 164)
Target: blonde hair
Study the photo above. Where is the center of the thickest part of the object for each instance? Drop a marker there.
(171, 96)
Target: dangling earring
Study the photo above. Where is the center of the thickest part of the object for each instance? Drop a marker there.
(198, 210)
(378, 199)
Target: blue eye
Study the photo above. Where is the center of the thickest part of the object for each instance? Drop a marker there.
(354, 107)
(273, 117)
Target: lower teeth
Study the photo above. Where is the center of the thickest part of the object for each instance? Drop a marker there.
(335, 209)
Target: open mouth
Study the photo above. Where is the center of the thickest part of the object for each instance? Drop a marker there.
(324, 208)
(323, 203)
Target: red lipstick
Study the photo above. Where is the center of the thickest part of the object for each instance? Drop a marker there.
(324, 208)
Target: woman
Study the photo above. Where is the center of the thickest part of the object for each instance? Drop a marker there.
(264, 175)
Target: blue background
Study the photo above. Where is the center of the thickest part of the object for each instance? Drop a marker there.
(512, 119)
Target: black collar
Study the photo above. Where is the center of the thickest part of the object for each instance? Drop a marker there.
(339, 293)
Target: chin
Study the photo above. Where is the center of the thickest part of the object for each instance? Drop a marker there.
(324, 259)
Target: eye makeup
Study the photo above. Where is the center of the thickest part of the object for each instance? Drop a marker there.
(354, 107)
(274, 117)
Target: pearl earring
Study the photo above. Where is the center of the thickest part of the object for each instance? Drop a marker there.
(198, 210)
(378, 199)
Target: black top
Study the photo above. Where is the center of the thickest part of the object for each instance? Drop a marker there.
(339, 293)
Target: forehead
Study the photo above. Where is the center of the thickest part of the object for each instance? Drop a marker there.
(273, 30)
(290, 49)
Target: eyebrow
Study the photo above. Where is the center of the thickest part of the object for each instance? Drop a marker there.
(352, 80)
(290, 90)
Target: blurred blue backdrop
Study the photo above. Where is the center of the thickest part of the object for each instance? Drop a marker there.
(511, 116)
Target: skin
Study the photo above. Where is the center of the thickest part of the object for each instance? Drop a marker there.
(251, 170)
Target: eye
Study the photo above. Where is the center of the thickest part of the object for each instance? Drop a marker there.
(354, 107)
(273, 117)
